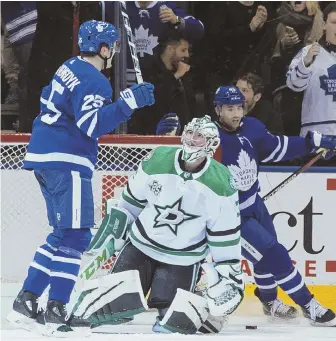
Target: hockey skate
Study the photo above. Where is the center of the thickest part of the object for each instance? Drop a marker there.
(24, 311)
(55, 321)
(318, 315)
(277, 310)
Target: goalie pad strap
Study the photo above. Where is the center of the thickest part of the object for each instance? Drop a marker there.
(186, 313)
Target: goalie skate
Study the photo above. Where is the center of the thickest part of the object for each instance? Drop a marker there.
(319, 315)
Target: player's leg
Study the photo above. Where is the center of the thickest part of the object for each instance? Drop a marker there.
(265, 252)
(180, 310)
(267, 288)
(38, 278)
(72, 202)
(127, 299)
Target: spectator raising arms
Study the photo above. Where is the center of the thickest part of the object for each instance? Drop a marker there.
(313, 71)
(300, 24)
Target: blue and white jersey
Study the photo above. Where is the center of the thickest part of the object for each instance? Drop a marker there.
(318, 81)
(148, 28)
(75, 111)
(244, 150)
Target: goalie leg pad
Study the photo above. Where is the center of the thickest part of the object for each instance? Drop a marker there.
(185, 315)
(112, 297)
(114, 225)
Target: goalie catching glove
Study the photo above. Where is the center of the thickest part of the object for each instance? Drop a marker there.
(225, 288)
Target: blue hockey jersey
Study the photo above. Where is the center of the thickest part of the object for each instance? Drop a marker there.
(147, 26)
(244, 150)
(76, 109)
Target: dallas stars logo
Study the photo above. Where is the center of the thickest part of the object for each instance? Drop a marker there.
(328, 83)
(172, 216)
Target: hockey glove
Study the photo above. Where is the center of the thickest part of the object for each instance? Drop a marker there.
(169, 123)
(320, 142)
(137, 96)
(225, 290)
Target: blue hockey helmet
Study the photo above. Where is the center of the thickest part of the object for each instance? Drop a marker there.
(93, 33)
(229, 95)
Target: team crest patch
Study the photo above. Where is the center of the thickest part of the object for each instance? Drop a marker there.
(155, 187)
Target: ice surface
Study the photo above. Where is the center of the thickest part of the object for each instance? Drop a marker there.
(140, 330)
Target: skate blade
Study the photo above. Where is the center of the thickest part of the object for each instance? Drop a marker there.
(331, 323)
(21, 321)
(55, 330)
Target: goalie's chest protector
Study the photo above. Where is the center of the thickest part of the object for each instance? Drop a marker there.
(172, 226)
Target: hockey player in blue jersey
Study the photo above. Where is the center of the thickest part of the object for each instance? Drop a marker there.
(76, 109)
(245, 143)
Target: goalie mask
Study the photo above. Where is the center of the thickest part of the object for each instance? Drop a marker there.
(200, 138)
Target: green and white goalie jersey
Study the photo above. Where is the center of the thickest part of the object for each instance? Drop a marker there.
(182, 216)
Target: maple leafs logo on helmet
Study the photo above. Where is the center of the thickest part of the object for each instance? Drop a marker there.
(92, 34)
(228, 95)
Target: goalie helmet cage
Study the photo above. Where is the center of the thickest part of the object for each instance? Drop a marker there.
(24, 223)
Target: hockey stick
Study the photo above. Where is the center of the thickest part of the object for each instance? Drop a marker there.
(105, 252)
(130, 41)
(293, 176)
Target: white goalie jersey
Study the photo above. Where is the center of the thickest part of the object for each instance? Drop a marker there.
(181, 216)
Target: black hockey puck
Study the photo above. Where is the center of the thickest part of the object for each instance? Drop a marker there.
(250, 327)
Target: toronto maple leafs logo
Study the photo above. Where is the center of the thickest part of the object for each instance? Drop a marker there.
(172, 216)
(328, 83)
(155, 187)
(101, 26)
(144, 42)
(245, 174)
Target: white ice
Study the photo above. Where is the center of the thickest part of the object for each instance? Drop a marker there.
(140, 330)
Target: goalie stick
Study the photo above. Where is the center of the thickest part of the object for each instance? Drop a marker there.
(293, 176)
(130, 42)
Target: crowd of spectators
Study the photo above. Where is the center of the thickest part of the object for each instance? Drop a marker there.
(186, 49)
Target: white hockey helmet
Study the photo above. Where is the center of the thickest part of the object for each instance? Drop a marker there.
(200, 138)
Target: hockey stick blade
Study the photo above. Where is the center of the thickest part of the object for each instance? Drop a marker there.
(293, 176)
(131, 43)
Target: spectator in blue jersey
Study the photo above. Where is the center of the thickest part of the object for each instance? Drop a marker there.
(76, 109)
(170, 73)
(150, 20)
(252, 87)
(18, 19)
(245, 144)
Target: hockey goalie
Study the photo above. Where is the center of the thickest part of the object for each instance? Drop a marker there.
(179, 206)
